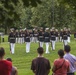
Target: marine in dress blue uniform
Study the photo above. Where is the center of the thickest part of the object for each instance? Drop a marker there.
(57, 35)
(41, 37)
(31, 35)
(53, 39)
(17, 36)
(65, 37)
(75, 35)
(61, 35)
(69, 34)
(12, 41)
(27, 41)
(35, 36)
(47, 39)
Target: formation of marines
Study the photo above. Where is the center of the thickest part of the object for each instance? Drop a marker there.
(41, 35)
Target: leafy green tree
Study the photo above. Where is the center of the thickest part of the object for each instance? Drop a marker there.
(52, 13)
(8, 13)
(44, 13)
(72, 3)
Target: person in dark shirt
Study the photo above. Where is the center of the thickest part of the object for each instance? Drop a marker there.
(40, 65)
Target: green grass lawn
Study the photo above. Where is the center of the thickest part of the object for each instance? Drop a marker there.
(22, 60)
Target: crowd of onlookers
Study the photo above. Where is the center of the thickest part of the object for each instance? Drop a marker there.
(64, 65)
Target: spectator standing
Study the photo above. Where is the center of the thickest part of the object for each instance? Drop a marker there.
(40, 65)
(61, 65)
(5, 66)
(71, 58)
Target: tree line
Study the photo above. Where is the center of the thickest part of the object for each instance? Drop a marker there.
(41, 13)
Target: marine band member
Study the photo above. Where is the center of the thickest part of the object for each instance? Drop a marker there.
(53, 38)
(12, 41)
(47, 39)
(41, 38)
(27, 41)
